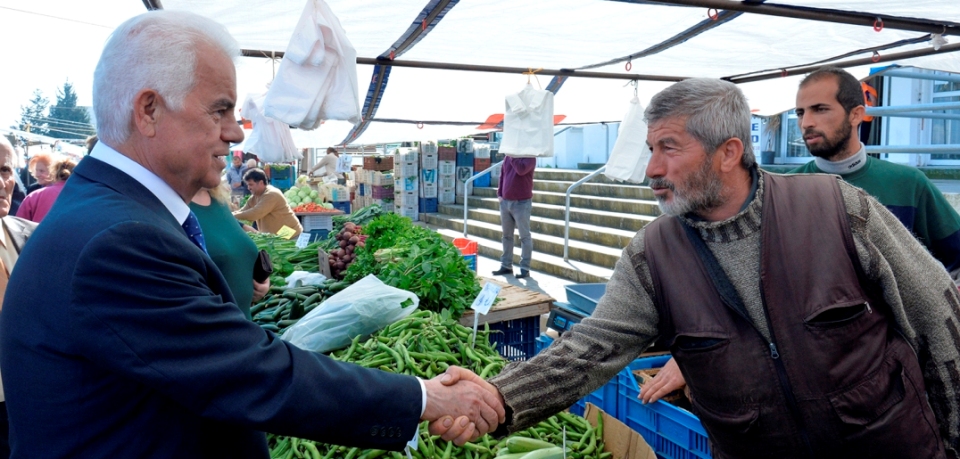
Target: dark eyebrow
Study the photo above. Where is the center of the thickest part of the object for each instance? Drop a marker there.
(224, 103)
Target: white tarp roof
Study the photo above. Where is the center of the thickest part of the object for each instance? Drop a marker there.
(557, 34)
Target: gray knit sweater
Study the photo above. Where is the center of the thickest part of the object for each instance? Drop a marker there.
(924, 300)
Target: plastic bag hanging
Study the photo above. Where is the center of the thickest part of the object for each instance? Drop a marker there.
(317, 78)
(630, 155)
(270, 140)
(528, 124)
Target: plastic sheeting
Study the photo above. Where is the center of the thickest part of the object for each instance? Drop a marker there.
(561, 34)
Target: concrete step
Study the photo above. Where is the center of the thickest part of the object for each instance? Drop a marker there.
(571, 175)
(543, 244)
(596, 189)
(574, 271)
(613, 220)
(604, 235)
(607, 204)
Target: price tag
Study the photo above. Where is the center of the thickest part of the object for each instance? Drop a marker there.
(482, 305)
(303, 240)
(486, 298)
(286, 232)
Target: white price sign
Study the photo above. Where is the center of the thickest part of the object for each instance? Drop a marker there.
(303, 240)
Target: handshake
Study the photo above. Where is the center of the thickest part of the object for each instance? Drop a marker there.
(461, 406)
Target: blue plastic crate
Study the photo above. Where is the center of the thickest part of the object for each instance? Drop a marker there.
(516, 339)
(342, 205)
(318, 234)
(428, 205)
(465, 160)
(282, 183)
(482, 181)
(585, 296)
(471, 262)
(674, 433)
(605, 397)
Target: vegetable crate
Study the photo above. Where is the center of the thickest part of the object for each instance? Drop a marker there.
(585, 296)
(482, 181)
(342, 206)
(312, 222)
(673, 432)
(282, 183)
(516, 339)
(605, 397)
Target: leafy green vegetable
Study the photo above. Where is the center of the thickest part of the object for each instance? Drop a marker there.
(419, 261)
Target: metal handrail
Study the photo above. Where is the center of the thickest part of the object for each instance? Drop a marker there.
(566, 229)
(466, 198)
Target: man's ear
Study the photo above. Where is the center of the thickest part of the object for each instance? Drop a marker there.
(730, 152)
(147, 106)
(856, 115)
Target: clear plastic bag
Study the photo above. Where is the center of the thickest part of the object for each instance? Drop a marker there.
(359, 310)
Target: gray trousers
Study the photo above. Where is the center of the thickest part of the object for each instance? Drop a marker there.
(516, 214)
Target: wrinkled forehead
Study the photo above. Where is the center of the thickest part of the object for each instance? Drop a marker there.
(6, 154)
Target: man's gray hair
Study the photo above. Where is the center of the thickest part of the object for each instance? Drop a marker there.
(155, 50)
(716, 111)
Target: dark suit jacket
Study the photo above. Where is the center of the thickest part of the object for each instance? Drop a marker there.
(119, 338)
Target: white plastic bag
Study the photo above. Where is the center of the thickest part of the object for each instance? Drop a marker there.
(305, 278)
(528, 124)
(270, 140)
(630, 155)
(317, 78)
(359, 310)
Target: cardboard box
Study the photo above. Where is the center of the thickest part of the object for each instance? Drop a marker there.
(622, 441)
(447, 181)
(447, 167)
(429, 161)
(406, 169)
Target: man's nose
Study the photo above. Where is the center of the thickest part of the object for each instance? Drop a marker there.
(656, 167)
(232, 132)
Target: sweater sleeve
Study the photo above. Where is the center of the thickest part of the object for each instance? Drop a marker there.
(588, 355)
(524, 166)
(923, 299)
(263, 207)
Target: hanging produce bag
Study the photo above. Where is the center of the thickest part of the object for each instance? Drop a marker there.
(630, 155)
(270, 140)
(528, 124)
(358, 310)
(317, 78)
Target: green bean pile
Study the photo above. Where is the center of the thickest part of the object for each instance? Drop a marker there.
(424, 344)
(281, 307)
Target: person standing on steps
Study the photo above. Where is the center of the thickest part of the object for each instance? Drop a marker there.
(515, 193)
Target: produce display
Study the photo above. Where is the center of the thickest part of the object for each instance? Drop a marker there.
(418, 260)
(314, 207)
(281, 308)
(424, 344)
(349, 239)
(303, 194)
(286, 257)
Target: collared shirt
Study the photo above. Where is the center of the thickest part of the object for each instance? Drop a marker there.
(170, 199)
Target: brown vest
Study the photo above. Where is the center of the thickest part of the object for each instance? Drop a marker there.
(838, 379)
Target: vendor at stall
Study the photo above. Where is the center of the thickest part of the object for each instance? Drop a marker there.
(267, 207)
(329, 163)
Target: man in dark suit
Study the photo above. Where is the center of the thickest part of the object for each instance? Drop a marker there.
(119, 336)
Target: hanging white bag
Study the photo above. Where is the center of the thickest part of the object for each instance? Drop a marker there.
(528, 124)
(630, 155)
(270, 140)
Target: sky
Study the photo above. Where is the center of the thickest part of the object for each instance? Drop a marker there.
(48, 42)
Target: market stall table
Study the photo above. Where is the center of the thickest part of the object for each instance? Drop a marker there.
(515, 303)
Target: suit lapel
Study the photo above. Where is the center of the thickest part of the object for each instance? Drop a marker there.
(98, 171)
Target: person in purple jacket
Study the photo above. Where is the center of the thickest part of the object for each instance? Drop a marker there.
(516, 201)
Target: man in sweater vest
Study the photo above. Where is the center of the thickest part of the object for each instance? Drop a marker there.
(805, 318)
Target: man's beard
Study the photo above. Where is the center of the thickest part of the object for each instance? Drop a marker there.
(830, 148)
(701, 192)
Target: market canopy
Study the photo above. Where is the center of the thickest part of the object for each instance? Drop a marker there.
(654, 39)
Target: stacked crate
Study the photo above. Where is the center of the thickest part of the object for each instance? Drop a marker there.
(429, 164)
(406, 177)
(481, 162)
(447, 175)
(464, 168)
(374, 187)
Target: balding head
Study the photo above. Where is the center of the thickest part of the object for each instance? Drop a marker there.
(6, 152)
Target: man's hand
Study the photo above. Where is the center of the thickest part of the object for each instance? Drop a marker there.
(461, 394)
(260, 289)
(667, 380)
(461, 429)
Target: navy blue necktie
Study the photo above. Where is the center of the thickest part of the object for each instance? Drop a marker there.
(192, 227)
